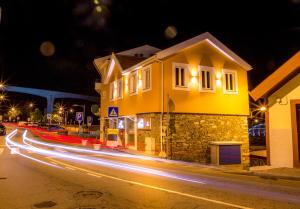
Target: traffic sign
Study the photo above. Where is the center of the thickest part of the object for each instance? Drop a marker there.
(113, 112)
(79, 116)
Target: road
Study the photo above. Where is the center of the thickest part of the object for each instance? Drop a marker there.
(44, 176)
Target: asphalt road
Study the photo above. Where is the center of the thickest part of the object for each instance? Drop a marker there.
(51, 177)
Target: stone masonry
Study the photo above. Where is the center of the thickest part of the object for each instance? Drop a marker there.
(189, 135)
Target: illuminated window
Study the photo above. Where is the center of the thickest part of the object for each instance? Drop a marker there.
(111, 90)
(146, 78)
(206, 79)
(119, 89)
(180, 76)
(230, 82)
(116, 89)
(144, 123)
(121, 123)
(133, 82)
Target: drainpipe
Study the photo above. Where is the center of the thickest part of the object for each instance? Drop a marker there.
(162, 152)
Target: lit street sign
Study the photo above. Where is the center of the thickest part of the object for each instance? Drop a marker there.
(79, 116)
(113, 112)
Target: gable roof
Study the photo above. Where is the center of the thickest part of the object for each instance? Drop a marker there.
(128, 61)
(125, 59)
(277, 78)
(212, 41)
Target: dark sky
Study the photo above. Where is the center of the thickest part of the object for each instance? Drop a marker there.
(264, 33)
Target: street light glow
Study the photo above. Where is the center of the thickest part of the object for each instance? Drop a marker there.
(263, 108)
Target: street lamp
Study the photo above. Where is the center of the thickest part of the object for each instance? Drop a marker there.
(83, 106)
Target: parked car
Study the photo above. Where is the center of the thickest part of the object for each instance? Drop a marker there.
(2, 130)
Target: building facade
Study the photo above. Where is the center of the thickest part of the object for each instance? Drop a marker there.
(174, 102)
(281, 90)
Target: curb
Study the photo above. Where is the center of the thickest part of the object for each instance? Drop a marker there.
(265, 175)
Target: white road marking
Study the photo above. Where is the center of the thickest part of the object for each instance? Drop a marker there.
(92, 173)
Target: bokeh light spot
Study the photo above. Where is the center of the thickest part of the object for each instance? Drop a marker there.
(170, 32)
(47, 48)
(98, 9)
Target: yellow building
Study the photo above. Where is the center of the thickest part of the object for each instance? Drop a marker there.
(176, 101)
(282, 91)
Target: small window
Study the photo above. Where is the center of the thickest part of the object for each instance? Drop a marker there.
(230, 81)
(116, 89)
(180, 76)
(133, 80)
(119, 88)
(206, 79)
(146, 78)
(111, 90)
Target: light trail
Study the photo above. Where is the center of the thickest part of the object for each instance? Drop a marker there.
(25, 138)
(98, 175)
(12, 134)
(105, 163)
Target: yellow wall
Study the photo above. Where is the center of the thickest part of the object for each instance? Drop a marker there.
(148, 101)
(280, 125)
(194, 101)
(191, 101)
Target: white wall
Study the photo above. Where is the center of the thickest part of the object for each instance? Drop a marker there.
(280, 125)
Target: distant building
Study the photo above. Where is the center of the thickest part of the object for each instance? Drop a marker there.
(282, 90)
(176, 101)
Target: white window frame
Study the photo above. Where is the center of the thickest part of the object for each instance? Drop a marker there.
(131, 93)
(144, 89)
(111, 91)
(186, 68)
(114, 89)
(234, 72)
(212, 79)
(119, 88)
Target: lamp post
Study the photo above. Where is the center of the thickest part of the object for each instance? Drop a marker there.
(83, 106)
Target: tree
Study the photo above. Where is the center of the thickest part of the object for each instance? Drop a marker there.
(95, 109)
(36, 115)
(13, 113)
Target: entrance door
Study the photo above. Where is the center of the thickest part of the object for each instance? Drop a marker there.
(295, 110)
(130, 132)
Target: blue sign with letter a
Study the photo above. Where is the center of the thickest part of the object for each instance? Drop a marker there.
(113, 112)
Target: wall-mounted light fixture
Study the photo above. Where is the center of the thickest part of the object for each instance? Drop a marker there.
(218, 79)
(194, 76)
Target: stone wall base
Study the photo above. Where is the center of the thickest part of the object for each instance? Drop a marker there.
(187, 136)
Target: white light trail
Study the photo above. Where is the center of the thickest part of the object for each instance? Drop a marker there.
(105, 163)
(12, 134)
(25, 138)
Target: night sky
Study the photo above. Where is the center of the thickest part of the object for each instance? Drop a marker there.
(264, 33)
